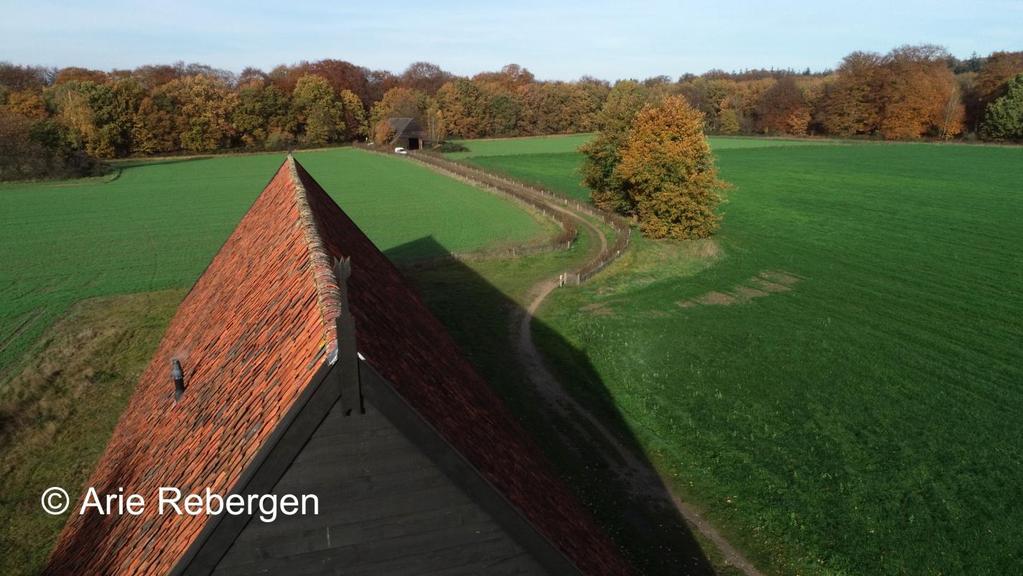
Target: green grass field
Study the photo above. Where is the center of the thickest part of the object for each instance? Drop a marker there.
(159, 223)
(517, 146)
(553, 162)
(837, 377)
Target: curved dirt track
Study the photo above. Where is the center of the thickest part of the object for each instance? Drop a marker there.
(642, 481)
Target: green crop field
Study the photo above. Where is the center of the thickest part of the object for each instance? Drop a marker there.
(553, 161)
(158, 224)
(516, 146)
(837, 376)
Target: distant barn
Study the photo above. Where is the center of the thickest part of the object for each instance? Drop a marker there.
(407, 133)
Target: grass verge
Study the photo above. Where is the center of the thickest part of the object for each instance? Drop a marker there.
(58, 412)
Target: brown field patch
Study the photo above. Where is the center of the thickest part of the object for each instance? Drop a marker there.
(763, 284)
(780, 277)
(716, 299)
(748, 293)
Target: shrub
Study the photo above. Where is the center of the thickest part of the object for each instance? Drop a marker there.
(451, 147)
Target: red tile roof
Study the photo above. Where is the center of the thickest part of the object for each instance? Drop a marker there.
(250, 335)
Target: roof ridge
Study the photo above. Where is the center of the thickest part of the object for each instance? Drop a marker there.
(328, 293)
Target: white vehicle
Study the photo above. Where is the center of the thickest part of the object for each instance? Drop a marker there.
(400, 150)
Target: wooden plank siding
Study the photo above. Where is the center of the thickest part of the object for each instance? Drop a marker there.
(385, 508)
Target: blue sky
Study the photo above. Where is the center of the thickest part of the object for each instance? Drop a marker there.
(553, 38)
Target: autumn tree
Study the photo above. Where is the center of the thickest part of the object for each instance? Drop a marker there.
(154, 128)
(383, 133)
(783, 109)
(340, 74)
(849, 105)
(728, 120)
(919, 95)
(590, 95)
(603, 153)
(557, 108)
(191, 113)
(73, 103)
(353, 113)
(510, 76)
(76, 74)
(743, 97)
(378, 83)
(714, 97)
(263, 117)
(98, 117)
(28, 103)
(204, 106)
(14, 77)
(155, 75)
(667, 172)
(908, 93)
(251, 76)
(503, 108)
(465, 108)
(424, 77)
(1003, 119)
(317, 111)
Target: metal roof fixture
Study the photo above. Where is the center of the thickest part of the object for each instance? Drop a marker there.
(178, 376)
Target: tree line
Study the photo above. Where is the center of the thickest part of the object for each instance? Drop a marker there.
(55, 122)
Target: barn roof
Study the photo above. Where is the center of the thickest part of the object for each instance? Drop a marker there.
(405, 127)
(252, 335)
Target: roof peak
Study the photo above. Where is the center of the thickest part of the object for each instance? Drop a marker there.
(328, 292)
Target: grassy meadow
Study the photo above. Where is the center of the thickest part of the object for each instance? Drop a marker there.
(553, 161)
(837, 376)
(65, 403)
(157, 225)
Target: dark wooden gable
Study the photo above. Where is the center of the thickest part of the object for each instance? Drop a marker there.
(395, 497)
(385, 508)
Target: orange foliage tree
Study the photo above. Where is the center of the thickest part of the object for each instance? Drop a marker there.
(464, 106)
(908, 93)
(920, 95)
(667, 171)
(849, 105)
